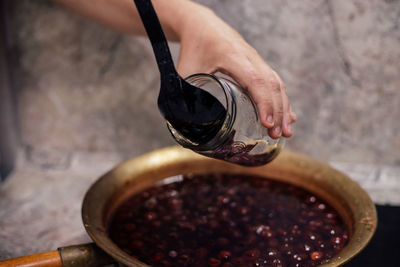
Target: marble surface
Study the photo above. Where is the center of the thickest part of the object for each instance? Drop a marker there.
(40, 204)
(87, 100)
(84, 87)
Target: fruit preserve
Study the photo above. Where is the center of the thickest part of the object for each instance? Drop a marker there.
(227, 220)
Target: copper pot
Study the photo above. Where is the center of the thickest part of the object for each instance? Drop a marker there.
(106, 194)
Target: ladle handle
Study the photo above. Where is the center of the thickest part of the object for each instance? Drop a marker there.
(45, 259)
(158, 40)
(88, 255)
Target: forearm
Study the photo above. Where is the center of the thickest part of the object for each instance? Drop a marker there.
(122, 15)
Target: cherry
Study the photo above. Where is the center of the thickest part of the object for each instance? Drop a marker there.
(227, 220)
(214, 262)
(316, 255)
(223, 254)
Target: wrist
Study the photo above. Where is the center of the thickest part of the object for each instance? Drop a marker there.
(186, 14)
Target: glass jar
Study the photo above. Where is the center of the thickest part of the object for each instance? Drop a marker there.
(241, 139)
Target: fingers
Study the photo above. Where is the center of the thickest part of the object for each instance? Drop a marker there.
(287, 114)
(275, 88)
(248, 77)
(267, 90)
(263, 98)
(293, 115)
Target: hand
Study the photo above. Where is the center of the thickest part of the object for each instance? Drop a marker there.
(209, 45)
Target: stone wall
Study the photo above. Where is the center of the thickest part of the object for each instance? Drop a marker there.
(84, 87)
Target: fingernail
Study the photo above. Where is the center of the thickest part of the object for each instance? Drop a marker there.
(277, 130)
(269, 119)
(289, 127)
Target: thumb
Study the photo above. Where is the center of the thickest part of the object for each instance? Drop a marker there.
(189, 64)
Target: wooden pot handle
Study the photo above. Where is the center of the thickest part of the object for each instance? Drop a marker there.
(45, 259)
(88, 255)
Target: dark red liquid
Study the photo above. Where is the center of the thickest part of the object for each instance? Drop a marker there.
(226, 220)
(240, 153)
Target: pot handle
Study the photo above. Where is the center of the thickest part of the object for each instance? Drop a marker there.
(45, 259)
(87, 255)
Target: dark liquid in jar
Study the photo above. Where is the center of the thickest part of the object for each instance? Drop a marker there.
(228, 220)
(197, 115)
(240, 153)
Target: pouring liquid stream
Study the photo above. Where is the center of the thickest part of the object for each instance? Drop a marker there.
(194, 112)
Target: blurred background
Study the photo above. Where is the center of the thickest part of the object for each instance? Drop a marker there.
(77, 98)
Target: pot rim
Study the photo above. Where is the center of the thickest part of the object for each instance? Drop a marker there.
(346, 196)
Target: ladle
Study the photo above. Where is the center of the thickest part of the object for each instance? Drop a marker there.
(195, 113)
